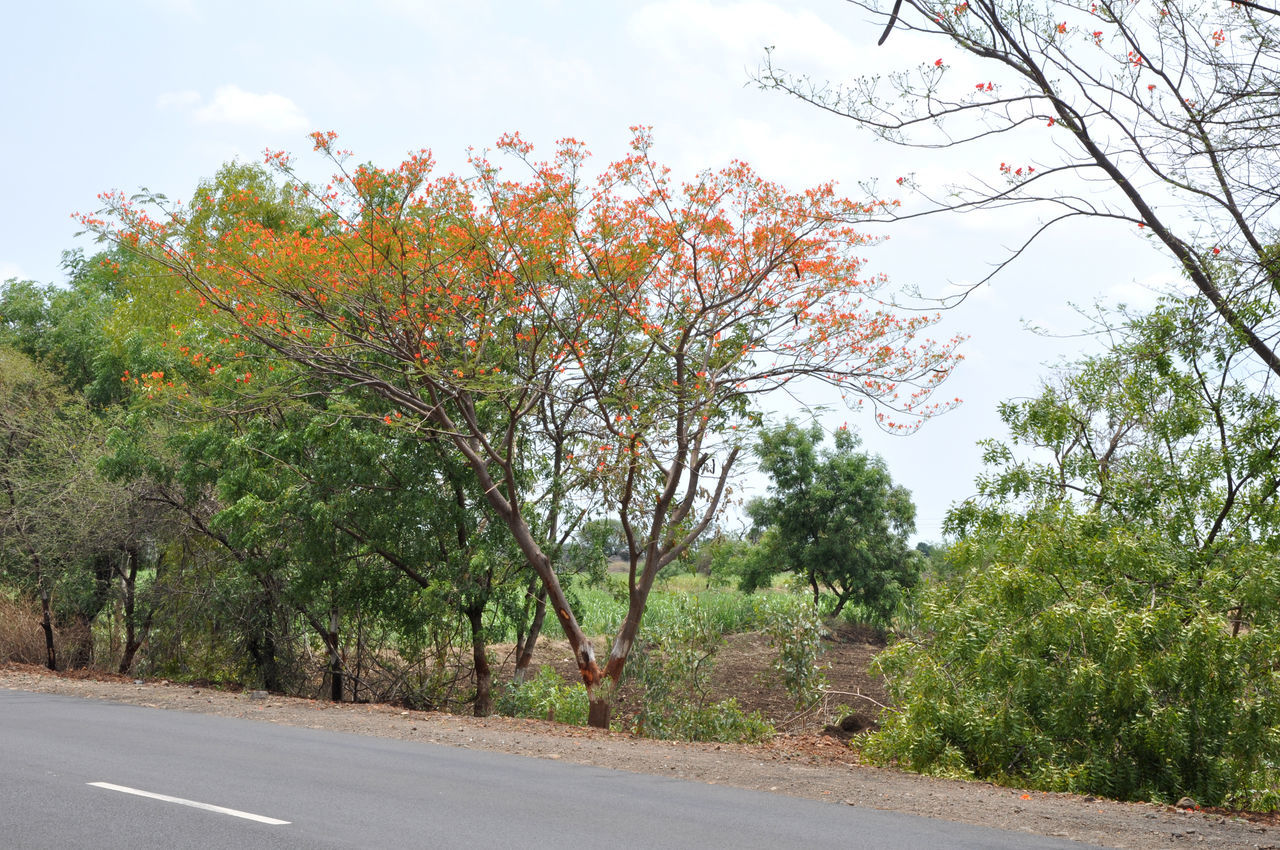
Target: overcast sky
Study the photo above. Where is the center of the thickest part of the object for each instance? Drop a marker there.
(159, 93)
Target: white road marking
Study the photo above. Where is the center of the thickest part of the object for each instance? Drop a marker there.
(208, 807)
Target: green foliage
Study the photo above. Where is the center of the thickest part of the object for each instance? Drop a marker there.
(212, 617)
(722, 722)
(682, 633)
(545, 697)
(835, 520)
(726, 611)
(68, 328)
(1107, 620)
(796, 631)
(61, 523)
(744, 563)
(673, 668)
(1170, 430)
(1076, 655)
(603, 606)
(599, 607)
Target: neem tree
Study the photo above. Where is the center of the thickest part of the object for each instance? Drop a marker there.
(581, 344)
(1160, 115)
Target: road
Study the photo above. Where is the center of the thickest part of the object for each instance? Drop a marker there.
(316, 789)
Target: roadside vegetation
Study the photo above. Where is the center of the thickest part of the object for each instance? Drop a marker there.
(395, 488)
(378, 441)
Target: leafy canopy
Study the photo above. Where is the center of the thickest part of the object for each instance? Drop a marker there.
(835, 519)
(1111, 624)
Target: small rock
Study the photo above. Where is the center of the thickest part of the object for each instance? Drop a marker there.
(257, 694)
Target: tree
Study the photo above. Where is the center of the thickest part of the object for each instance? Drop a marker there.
(58, 517)
(574, 342)
(66, 328)
(117, 528)
(1170, 430)
(1110, 624)
(1162, 117)
(835, 519)
(353, 500)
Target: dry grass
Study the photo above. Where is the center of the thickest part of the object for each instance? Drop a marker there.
(21, 638)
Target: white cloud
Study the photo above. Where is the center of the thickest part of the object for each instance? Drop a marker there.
(270, 111)
(184, 8)
(10, 270)
(795, 159)
(437, 15)
(185, 99)
(1143, 293)
(233, 105)
(681, 29)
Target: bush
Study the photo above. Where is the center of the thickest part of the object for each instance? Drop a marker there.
(21, 635)
(544, 697)
(720, 722)
(1070, 655)
(672, 665)
(796, 631)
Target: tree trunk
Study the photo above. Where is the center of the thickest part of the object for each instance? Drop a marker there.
(261, 642)
(600, 712)
(483, 705)
(583, 653)
(81, 640)
(525, 646)
(46, 623)
(359, 672)
(127, 586)
(134, 636)
(600, 697)
(131, 648)
(335, 658)
(104, 568)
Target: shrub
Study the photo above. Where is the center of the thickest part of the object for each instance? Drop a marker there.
(796, 631)
(672, 666)
(545, 697)
(1071, 655)
(21, 637)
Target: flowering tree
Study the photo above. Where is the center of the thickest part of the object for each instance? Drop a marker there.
(578, 343)
(1160, 115)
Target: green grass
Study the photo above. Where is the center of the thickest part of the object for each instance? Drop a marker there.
(600, 608)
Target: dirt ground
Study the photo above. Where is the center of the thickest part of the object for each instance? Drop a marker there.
(741, 670)
(801, 761)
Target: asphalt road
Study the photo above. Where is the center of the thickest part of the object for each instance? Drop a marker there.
(334, 790)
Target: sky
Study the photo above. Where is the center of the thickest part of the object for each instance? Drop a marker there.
(158, 94)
